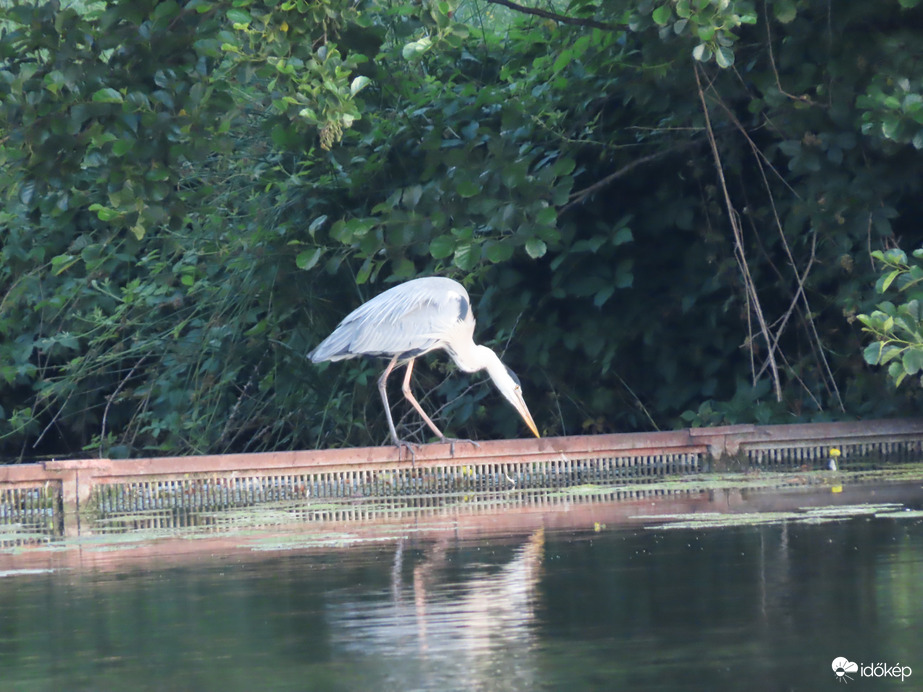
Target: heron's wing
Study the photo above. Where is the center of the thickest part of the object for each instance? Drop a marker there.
(406, 320)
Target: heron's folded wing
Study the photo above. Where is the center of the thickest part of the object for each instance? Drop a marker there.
(407, 320)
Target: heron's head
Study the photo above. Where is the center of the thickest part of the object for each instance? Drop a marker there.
(508, 384)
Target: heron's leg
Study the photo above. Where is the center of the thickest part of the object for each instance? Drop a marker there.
(383, 390)
(416, 404)
(413, 402)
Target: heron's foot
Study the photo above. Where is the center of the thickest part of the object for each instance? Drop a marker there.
(409, 446)
(453, 440)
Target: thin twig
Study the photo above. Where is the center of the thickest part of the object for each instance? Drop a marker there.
(638, 401)
(800, 278)
(554, 16)
(772, 63)
(54, 419)
(110, 399)
(738, 238)
(580, 195)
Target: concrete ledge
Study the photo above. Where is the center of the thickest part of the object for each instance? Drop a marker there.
(78, 477)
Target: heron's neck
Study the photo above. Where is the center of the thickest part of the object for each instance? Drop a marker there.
(471, 357)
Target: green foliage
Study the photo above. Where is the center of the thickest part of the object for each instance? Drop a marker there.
(897, 330)
(140, 266)
(195, 193)
(713, 24)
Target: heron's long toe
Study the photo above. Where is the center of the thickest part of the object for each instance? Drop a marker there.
(404, 444)
(452, 440)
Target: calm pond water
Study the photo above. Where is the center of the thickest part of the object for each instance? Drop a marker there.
(661, 603)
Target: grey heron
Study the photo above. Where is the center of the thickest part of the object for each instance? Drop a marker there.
(411, 319)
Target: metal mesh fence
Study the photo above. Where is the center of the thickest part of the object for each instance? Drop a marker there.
(30, 515)
(215, 492)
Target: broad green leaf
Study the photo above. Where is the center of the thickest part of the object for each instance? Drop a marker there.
(411, 196)
(897, 373)
(122, 146)
(867, 321)
(912, 308)
(415, 49)
(624, 274)
(104, 213)
(62, 263)
(258, 329)
(107, 95)
(885, 281)
(564, 166)
(724, 56)
(706, 33)
(316, 224)
(365, 271)
(308, 259)
(340, 232)
(308, 114)
(466, 256)
(468, 188)
(785, 10)
(238, 16)
(563, 59)
(872, 353)
(662, 15)
(359, 228)
(622, 236)
(442, 246)
(535, 248)
(913, 360)
(603, 295)
(889, 352)
(358, 84)
(53, 81)
(702, 53)
(403, 269)
(499, 251)
(547, 216)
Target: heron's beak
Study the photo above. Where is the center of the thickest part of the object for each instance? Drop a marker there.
(520, 405)
(508, 384)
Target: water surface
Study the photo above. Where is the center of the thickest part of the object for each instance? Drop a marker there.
(635, 595)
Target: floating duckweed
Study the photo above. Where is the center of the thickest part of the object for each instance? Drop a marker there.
(806, 515)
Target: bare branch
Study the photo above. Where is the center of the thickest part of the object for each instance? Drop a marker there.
(554, 16)
(580, 195)
(801, 277)
(110, 399)
(739, 251)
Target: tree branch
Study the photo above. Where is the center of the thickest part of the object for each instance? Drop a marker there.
(739, 252)
(580, 195)
(554, 16)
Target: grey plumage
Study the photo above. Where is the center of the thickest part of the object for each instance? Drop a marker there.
(409, 320)
(405, 321)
